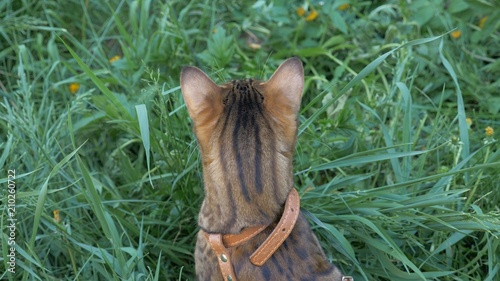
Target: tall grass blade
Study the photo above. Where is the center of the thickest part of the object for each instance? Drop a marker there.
(142, 117)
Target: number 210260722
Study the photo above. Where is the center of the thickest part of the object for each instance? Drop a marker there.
(11, 189)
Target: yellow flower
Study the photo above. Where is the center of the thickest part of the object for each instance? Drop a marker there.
(300, 11)
(74, 87)
(312, 16)
(468, 121)
(344, 6)
(113, 59)
(482, 21)
(489, 131)
(456, 34)
(57, 218)
(254, 46)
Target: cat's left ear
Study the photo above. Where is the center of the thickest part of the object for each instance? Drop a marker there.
(286, 85)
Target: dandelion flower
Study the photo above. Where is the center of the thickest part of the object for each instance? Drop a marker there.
(482, 21)
(300, 11)
(74, 87)
(113, 59)
(456, 34)
(312, 16)
(344, 7)
(489, 131)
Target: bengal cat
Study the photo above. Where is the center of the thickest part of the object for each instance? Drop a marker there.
(246, 132)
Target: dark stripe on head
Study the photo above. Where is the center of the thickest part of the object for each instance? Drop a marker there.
(236, 150)
(268, 126)
(229, 192)
(257, 159)
(228, 106)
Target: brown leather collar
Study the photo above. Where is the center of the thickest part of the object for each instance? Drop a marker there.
(219, 242)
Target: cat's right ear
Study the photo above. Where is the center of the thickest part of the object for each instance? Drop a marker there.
(202, 96)
(203, 100)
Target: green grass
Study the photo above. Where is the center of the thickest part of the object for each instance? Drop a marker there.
(396, 181)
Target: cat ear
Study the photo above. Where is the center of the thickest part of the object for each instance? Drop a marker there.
(203, 101)
(198, 91)
(286, 85)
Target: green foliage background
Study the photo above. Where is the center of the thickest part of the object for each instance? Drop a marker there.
(396, 172)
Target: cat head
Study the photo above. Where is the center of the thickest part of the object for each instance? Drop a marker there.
(278, 99)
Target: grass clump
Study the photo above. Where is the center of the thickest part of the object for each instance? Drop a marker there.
(397, 159)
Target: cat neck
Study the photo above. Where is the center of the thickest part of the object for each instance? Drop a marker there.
(230, 206)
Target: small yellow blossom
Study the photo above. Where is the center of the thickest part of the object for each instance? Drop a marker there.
(312, 16)
(74, 87)
(482, 21)
(489, 131)
(456, 34)
(344, 7)
(113, 59)
(300, 11)
(57, 218)
(468, 121)
(254, 46)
